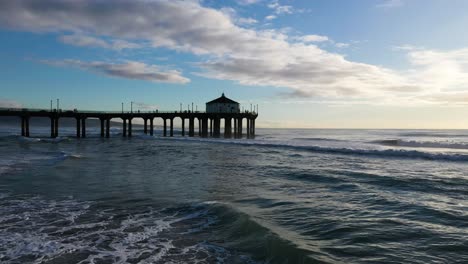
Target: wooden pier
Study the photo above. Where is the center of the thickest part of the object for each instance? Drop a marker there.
(209, 124)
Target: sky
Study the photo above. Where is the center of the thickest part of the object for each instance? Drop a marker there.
(305, 63)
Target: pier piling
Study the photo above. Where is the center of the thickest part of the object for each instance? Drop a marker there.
(107, 127)
(23, 129)
(83, 127)
(183, 127)
(191, 127)
(172, 127)
(124, 127)
(130, 127)
(151, 126)
(102, 126)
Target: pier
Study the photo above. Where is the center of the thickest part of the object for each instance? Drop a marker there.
(209, 123)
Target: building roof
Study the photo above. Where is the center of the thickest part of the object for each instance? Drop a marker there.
(222, 100)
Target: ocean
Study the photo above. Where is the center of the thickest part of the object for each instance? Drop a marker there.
(287, 196)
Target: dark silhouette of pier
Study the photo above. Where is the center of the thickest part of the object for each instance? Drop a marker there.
(209, 124)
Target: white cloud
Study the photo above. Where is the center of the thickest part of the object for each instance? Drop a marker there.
(248, 56)
(390, 3)
(4, 103)
(233, 16)
(129, 70)
(248, 2)
(440, 71)
(90, 41)
(342, 45)
(270, 17)
(280, 9)
(313, 38)
(246, 21)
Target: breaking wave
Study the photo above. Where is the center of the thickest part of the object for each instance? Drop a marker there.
(386, 153)
(421, 144)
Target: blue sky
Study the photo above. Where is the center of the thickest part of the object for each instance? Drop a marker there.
(321, 63)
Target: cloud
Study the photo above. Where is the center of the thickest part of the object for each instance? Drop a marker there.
(128, 70)
(90, 41)
(4, 103)
(440, 70)
(280, 9)
(342, 45)
(391, 4)
(247, 2)
(313, 38)
(246, 21)
(233, 16)
(228, 51)
(270, 17)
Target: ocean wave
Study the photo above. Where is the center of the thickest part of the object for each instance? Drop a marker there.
(85, 232)
(421, 144)
(433, 134)
(317, 139)
(82, 232)
(19, 162)
(386, 153)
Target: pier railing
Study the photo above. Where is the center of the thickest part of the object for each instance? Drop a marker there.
(40, 110)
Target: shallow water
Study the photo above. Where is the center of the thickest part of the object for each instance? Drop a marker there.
(288, 196)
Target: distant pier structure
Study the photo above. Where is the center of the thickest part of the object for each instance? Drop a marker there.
(217, 111)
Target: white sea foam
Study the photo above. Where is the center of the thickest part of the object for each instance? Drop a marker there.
(46, 230)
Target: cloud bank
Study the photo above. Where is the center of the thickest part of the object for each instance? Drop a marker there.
(228, 51)
(129, 70)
